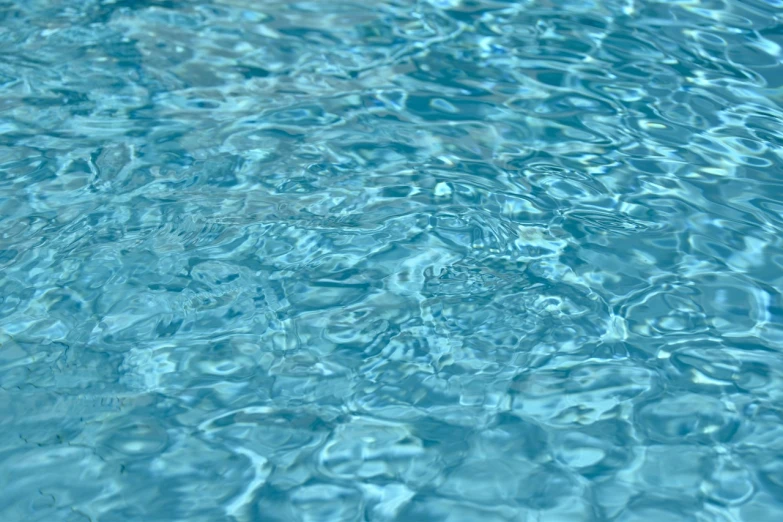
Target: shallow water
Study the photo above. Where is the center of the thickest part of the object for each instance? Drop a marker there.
(404, 260)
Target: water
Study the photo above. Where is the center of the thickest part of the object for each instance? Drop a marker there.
(397, 260)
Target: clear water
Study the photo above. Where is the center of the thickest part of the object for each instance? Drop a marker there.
(391, 260)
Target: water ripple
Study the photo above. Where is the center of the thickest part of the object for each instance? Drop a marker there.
(402, 260)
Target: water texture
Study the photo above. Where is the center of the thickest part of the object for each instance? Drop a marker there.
(391, 260)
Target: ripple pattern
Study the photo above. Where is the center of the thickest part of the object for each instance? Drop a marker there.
(415, 260)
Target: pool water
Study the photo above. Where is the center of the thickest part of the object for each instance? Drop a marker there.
(391, 260)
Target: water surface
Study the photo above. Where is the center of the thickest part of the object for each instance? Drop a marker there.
(396, 260)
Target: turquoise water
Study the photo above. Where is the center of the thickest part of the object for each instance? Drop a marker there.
(396, 260)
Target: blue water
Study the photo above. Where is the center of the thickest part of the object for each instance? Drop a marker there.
(391, 260)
